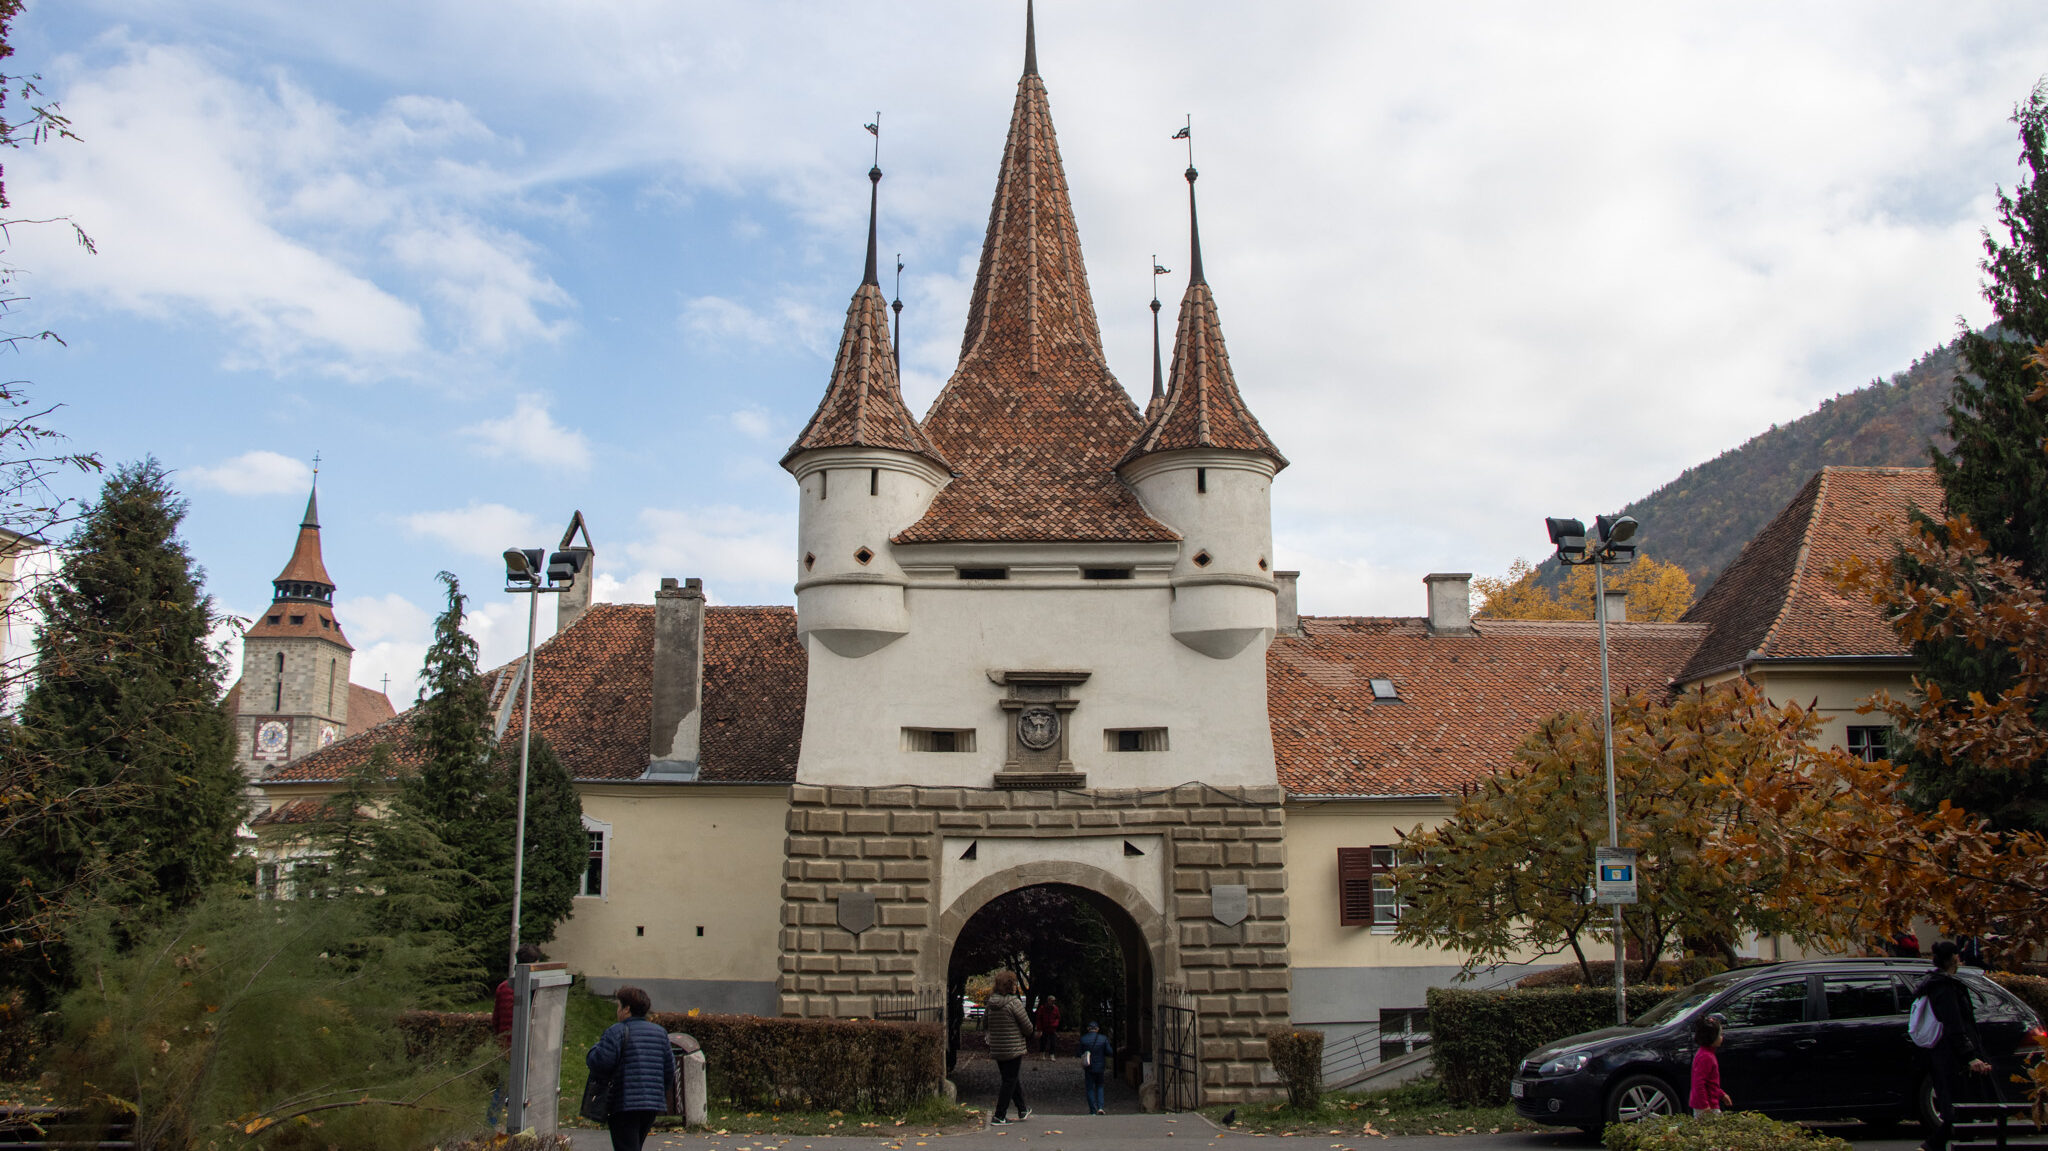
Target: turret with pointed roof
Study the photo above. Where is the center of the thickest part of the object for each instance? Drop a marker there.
(1032, 420)
(1202, 407)
(863, 405)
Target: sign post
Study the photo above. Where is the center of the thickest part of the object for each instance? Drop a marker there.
(1614, 875)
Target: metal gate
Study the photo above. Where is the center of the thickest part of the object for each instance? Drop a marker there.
(1179, 1088)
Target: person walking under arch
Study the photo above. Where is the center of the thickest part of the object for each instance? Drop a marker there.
(1096, 1055)
(1049, 1026)
(1009, 1040)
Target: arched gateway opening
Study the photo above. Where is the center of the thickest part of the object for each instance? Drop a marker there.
(1093, 955)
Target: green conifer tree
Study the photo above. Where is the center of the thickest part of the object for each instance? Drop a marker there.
(124, 710)
(1997, 474)
(557, 848)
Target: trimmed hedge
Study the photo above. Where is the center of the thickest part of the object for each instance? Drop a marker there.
(824, 1064)
(429, 1031)
(2032, 990)
(1480, 1036)
(1717, 1131)
(1298, 1057)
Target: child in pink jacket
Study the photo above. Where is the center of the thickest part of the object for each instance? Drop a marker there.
(1706, 1067)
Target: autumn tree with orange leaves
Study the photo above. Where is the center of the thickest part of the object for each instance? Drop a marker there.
(1657, 592)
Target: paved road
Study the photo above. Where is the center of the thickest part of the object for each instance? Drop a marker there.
(1149, 1132)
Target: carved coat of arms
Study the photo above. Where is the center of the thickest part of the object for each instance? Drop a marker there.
(1038, 727)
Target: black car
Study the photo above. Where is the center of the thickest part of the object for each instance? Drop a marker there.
(1821, 1039)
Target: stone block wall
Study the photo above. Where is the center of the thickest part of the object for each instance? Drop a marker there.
(886, 841)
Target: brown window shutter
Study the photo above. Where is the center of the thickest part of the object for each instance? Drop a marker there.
(1354, 886)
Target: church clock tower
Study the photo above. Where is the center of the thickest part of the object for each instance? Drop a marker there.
(294, 695)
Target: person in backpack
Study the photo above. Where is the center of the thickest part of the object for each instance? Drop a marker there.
(1957, 1054)
(1096, 1054)
(635, 1052)
(1009, 1039)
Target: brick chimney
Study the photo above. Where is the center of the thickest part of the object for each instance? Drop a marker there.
(1289, 622)
(572, 602)
(1616, 603)
(678, 675)
(1450, 603)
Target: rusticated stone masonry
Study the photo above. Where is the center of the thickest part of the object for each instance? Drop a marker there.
(886, 842)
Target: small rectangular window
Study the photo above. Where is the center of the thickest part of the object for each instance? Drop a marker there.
(593, 869)
(874, 481)
(1105, 573)
(984, 573)
(1202, 480)
(940, 739)
(1403, 1031)
(1367, 892)
(1384, 691)
(1134, 739)
(298, 619)
(276, 619)
(1870, 744)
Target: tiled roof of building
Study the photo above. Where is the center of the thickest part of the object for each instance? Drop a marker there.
(298, 619)
(1466, 702)
(593, 699)
(291, 812)
(1202, 407)
(1778, 600)
(306, 565)
(863, 405)
(1032, 421)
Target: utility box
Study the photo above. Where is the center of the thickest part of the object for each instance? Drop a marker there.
(540, 1007)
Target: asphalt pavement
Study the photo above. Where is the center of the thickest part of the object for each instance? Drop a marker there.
(1154, 1133)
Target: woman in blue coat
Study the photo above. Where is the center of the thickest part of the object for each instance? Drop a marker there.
(635, 1052)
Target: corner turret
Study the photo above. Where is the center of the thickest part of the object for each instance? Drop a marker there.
(1205, 467)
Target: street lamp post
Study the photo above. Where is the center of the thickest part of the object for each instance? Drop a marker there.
(1613, 548)
(523, 575)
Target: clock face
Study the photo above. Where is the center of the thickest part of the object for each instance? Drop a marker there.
(272, 738)
(327, 734)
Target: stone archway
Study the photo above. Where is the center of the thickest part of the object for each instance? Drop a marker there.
(1138, 928)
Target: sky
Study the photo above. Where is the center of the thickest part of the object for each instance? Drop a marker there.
(495, 262)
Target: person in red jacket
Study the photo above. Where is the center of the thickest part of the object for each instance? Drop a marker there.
(1706, 1067)
(1048, 1025)
(503, 1012)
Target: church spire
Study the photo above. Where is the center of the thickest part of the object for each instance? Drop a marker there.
(1030, 41)
(1158, 377)
(305, 576)
(1202, 407)
(863, 403)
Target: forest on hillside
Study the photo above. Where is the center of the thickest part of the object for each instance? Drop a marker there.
(1701, 519)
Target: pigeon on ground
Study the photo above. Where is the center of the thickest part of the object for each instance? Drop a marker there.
(1230, 1117)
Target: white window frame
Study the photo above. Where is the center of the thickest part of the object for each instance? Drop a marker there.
(603, 831)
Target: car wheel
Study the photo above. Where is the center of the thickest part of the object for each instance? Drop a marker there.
(1639, 1097)
(1923, 1103)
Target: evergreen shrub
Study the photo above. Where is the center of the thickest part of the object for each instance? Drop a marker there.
(1480, 1036)
(822, 1064)
(1298, 1057)
(2032, 990)
(429, 1032)
(1717, 1131)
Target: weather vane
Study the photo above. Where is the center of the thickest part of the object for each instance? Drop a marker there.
(1188, 133)
(875, 130)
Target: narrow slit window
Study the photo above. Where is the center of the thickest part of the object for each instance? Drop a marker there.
(1105, 573)
(938, 739)
(874, 481)
(1134, 739)
(824, 482)
(984, 573)
(278, 705)
(1202, 480)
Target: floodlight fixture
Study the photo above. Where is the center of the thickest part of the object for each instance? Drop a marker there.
(1569, 536)
(522, 565)
(563, 565)
(1615, 529)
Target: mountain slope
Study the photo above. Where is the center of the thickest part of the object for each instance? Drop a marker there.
(1701, 519)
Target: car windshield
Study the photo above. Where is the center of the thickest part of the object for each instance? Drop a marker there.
(1682, 1004)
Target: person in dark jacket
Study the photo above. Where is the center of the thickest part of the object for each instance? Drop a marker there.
(1096, 1055)
(1009, 1038)
(1960, 1048)
(635, 1052)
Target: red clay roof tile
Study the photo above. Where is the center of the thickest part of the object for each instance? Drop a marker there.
(863, 404)
(1466, 703)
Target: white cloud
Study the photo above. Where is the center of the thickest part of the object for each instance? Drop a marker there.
(481, 529)
(785, 321)
(754, 423)
(531, 435)
(743, 556)
(255, 473)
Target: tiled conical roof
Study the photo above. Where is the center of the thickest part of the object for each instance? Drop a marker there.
(306, 565)
(1032, 420)
(1202, 408)
(863, 405)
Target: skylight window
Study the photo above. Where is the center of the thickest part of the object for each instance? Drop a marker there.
(1383, 691)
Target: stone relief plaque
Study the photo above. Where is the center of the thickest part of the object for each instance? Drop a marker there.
(1229, 903)
(856, 911)
(1038, 727)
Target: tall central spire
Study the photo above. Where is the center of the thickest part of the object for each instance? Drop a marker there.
(1032, 420)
